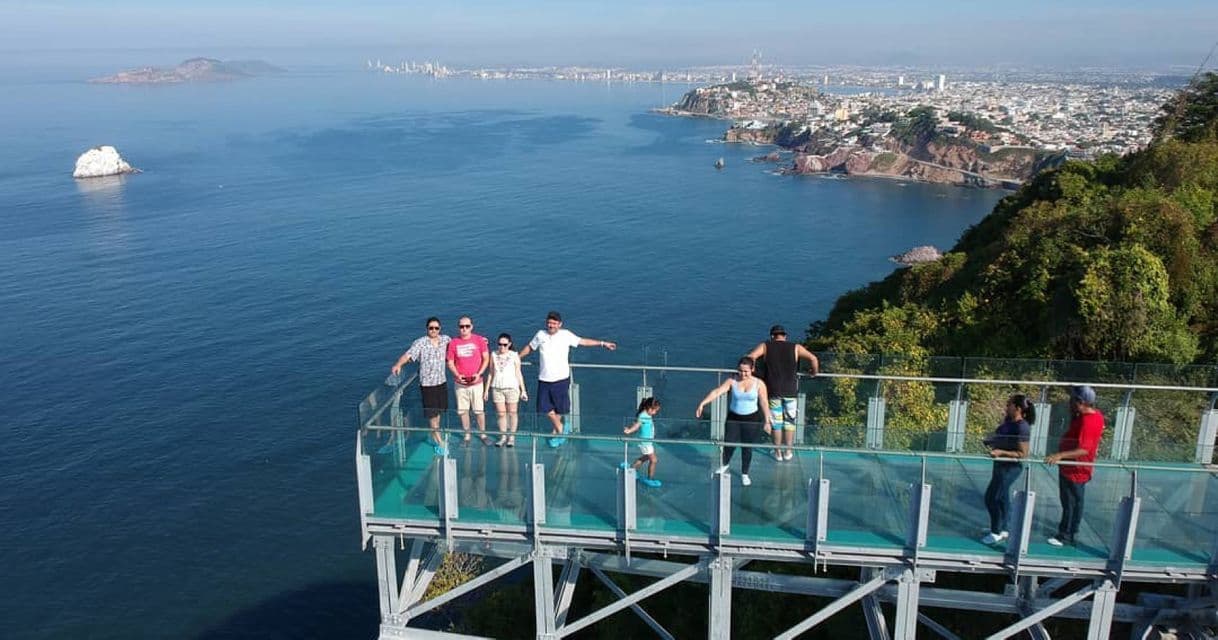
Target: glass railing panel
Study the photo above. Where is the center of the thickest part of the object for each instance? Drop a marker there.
(836, 410)
(916, 415)
(869, 497)
(681, 506)
(405, 474)
(492, 481)
(1178, 521)
(958, 515)
(1165, 423)
(774, 507)
(580, 491)
(1102, 496)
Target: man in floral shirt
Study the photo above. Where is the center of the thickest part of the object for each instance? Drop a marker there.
(430, 351)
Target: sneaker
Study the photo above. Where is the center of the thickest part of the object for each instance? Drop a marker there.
(500, 442)
(1056, 542)
(744, 479)
(724, 468)
(511, 441)
(651, 482)
(994, 538)
(778, 455)
(623, 466)
(440, 451)
(790, 455)
(556, 442)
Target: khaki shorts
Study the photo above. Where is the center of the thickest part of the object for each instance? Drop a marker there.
(469, 397)
(505, 396)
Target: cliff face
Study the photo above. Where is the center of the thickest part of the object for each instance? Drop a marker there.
(936, 161)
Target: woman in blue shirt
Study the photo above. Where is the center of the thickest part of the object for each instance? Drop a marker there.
(1008, 444)
(746, 414)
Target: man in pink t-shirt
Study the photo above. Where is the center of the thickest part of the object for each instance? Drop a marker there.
(468, 358)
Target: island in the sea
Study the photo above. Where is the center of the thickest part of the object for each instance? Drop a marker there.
(192, 70)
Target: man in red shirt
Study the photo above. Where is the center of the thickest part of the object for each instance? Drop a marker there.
(1079, 444)
(468, 358)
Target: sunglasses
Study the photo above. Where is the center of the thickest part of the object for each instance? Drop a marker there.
(505, 344)
(465, 326)
(433, 328)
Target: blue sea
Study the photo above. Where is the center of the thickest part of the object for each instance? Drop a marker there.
(183, 349)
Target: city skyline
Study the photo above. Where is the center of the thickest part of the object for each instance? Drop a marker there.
(633, 33)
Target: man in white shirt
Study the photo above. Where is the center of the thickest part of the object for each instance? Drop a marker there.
(553, 345)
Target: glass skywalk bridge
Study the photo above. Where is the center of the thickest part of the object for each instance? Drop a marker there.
(870, 487)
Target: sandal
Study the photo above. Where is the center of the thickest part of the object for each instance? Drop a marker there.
(511, 441)
(485, 440)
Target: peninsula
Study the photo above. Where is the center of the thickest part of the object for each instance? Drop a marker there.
(192, 70)
(974, 133)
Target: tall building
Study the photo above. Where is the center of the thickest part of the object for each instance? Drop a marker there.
(900, 81)
(826, 82)
(942, 82)
(733, 76)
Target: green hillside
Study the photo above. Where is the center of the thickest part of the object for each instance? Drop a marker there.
(1115, 259)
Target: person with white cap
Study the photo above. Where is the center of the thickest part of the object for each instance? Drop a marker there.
(1079, 444)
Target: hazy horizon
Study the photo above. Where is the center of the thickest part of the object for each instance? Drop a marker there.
(632, 33)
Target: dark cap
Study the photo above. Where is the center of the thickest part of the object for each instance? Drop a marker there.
(777, 330)
(1083, 394)
(554, 315)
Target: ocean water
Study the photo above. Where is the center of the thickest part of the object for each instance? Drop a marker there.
(183, 349)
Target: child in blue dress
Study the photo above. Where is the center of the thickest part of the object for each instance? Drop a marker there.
(645, 426)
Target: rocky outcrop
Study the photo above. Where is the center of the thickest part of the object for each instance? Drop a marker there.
(192, 70)
(772, 156)
(101, 161)
(918, 255)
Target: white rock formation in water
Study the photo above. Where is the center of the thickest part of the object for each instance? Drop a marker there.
(101, 161)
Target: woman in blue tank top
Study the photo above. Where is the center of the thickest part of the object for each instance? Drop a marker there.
(745, 414)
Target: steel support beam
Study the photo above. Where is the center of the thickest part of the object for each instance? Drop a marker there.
(452, 594)
(566, 589)
(1043, 614)
(939, 629)
(718, 415)
(856, 594)
(1102, 604)
(633, 598)
(363, 476)
(1023, 508)
(573, 424)
(638, 610)
(1124, 529)
(877, 626)
(1122, 429)
(719, 606)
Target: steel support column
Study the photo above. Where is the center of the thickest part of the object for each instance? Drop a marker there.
(1040, 430)
(1206, 436)
(957, 414)
(905, 624)
(719, 607)
(543, 596)
(875, 422)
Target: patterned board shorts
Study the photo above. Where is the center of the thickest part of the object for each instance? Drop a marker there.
(783, 411)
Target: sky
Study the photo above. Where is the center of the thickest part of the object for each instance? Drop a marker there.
(638, 33)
